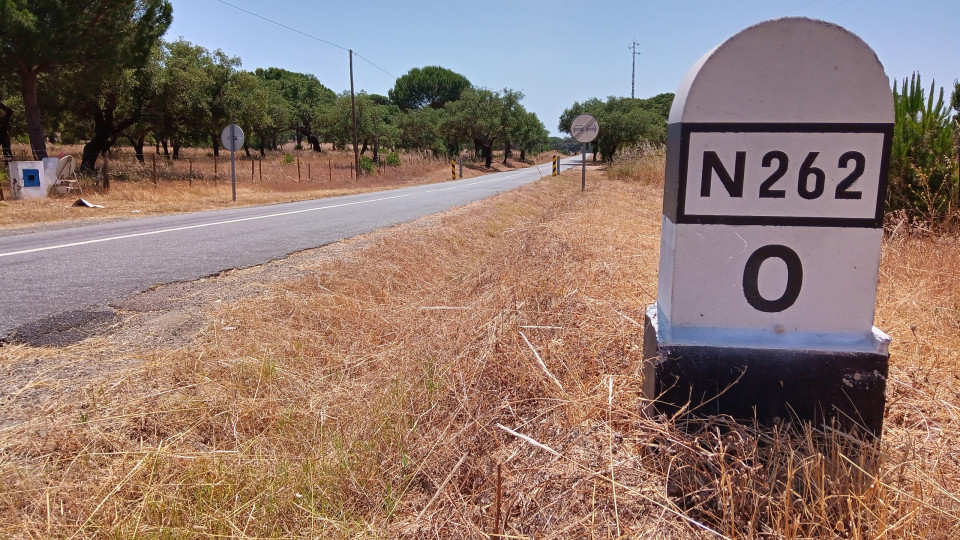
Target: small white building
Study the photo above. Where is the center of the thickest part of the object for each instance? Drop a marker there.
(32, 179)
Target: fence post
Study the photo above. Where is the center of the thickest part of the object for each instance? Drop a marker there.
(330, 166)
(190, 161)
(260, 168)
(215, 173)
(309, 172)
(154, 169)
(253, 169)
(299, 178)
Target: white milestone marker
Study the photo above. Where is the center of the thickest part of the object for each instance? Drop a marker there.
(777, 155)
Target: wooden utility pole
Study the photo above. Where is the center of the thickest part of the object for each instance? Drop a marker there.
(353, 108)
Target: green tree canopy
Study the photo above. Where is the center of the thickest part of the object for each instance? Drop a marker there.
(623, 121)
(420, 130)
(99, 37)
(529, 134)
(222, 96)
(8, 100)
(306, 97)
(374, 121)
(478, 117)
(182, 111)
(487, 117)
(262, 110)
(111, 106)
(432, 86)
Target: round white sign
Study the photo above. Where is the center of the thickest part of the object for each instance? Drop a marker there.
(585, 128)
(232, 137)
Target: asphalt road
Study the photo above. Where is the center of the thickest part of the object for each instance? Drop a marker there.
(48, 273)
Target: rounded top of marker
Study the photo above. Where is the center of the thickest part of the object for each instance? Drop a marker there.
(786, 70)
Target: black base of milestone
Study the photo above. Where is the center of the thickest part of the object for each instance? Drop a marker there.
(767, 386)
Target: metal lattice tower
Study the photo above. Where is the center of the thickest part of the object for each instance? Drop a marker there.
(633, 74)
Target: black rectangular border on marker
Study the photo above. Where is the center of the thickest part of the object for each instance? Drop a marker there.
(796, 221)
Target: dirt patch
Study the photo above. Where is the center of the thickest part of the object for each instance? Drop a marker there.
(64, 328)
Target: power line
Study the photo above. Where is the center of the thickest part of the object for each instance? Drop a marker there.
(302, 33)
(247, 11)
(374, 65)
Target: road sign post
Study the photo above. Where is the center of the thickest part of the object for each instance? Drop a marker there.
(778, 144)
(232, 139)
(583, 166)
(584, 129)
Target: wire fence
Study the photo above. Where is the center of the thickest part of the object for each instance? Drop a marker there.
(197, 166)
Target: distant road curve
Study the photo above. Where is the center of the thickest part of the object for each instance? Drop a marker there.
(52, 272)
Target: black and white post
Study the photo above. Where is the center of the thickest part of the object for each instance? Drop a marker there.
(584, 129)
(232, 139)
(778, 144)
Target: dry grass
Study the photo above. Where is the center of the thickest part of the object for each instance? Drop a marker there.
(641, 164)
(485, 367)
(198, 181)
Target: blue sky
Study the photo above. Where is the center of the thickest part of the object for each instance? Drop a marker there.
(556, 52)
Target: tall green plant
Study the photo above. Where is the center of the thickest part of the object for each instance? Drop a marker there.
(955, 105)
(923, 178)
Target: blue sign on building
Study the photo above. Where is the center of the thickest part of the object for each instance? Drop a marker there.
(31, 178)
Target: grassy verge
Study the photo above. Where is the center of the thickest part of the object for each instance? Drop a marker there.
(473, 378)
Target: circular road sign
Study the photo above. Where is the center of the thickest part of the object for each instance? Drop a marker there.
(232, 137)
(584, 128)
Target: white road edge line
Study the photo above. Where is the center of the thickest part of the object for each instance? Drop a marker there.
(200, 226)
(227, 222)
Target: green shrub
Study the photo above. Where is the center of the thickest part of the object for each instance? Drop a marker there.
(366, 165)
(393, 159)
(923, 164)
(289, 159)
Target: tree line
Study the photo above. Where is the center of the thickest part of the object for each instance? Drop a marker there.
(623, 121)
(98, 72)
(923, 183)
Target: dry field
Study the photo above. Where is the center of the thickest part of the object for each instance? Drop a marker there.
(477, 376)
(198, 181)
